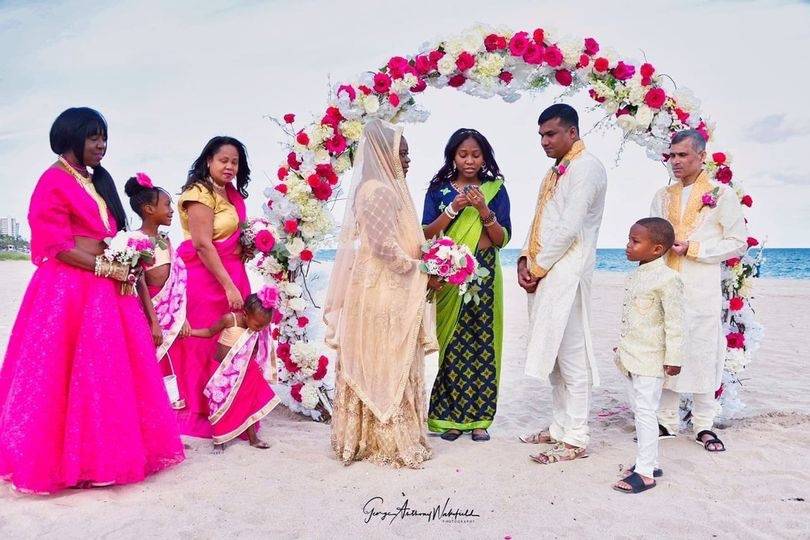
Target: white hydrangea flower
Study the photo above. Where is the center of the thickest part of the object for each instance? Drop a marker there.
(309, 396)
(352, 130)
(489, 65)
(447, 64)
(297, 304)
(371, 104)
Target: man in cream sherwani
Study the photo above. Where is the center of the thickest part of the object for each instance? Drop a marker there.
(556, 268)
(709, 229)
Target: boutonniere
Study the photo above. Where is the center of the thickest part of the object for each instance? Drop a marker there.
(560, 168)
(710, 198)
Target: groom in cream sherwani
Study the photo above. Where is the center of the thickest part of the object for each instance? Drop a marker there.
(556, 268)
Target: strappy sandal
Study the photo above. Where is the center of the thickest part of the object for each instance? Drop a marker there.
(542, 437)
(714, 440)
(657, 473)
(559, 453)
(451, 435)
(636, 483)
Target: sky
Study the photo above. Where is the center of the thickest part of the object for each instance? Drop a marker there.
(170, 75)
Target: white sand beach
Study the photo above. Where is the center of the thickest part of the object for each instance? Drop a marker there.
(296, 489)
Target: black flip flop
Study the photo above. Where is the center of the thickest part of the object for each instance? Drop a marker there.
(477, 437)
(636, 483)
(451, 435)
(714, 440)
(657, 473)
(663, 433)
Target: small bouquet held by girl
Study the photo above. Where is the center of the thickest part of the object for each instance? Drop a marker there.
(130, 249)
(454, 264)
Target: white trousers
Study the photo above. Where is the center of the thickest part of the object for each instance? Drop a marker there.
(571, 383)
(644, 393)
(704, 409)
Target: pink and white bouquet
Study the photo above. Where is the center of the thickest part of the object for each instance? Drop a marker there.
(455, 264)
(130, 248)
(257, 236)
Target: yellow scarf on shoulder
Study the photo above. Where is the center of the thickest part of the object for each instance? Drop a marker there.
(684, 224)
(547, 189)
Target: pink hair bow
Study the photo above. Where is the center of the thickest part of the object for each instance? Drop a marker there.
(144, 180)
(268, 296)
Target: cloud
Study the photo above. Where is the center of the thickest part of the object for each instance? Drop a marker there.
(777, 128)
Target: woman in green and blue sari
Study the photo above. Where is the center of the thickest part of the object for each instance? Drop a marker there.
(467, 201)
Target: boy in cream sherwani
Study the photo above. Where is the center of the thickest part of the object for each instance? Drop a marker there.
(651, 340)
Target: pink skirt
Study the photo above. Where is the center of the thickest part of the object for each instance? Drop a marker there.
(81, 394)
(253, 401)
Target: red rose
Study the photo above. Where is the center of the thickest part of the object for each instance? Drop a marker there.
(281, 188)
(313, 180)
(539, 36)
(534, 54)
(596, 97)
(306, 255)
(419, 86)
(393, 99)
(646, 81)
(752, 241)
(601, 64)
(291, 226)
(584, 60)
(731, 263)
(646, 70)
(265, 241)
(736, 303)
(719, 158)
(325, 170)
(382, 83)
(302, 138)
(365, 89)
(564, 77)
(735, 340)
(275, 333)
(494, 42)
(336, 145)
(505, 77)
(683, 116)
(302, 321)
(519, 44)
(322, 190)
(295, 391)
(398, 66)
(289, 118)
(624, 71)
(332, 117)
(655, 98)
(292, 161)
(723, 174)
(422, 64)
(320, 373)
(277, 316)
(591, 46)
(434, 57)
(553, 56)
(465, 61)
(283, 350)
(747, 201)
(282, 173)
(348, 89)
(457, 80)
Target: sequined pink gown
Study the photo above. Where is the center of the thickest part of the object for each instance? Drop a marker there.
(81, 394)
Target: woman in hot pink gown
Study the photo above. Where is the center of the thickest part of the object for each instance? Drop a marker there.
(82, 400)
(211, 209)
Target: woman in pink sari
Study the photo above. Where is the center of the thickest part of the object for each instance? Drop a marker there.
(82, 402)
(211, 210)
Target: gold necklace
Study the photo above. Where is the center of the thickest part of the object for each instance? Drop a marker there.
(74, 173)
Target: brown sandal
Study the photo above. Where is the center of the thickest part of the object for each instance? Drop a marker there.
(559, 453)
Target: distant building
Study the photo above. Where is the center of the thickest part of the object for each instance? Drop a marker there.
(9, 227)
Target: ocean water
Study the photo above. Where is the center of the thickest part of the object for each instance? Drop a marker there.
(785, 263)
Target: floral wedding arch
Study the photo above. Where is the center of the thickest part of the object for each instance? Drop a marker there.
(483, 63)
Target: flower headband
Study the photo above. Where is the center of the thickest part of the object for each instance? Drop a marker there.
(268, 296)
(143, 180)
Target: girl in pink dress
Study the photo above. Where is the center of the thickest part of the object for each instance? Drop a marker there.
(165, 276)
(211, 209)
(239, 393)
(81, 396)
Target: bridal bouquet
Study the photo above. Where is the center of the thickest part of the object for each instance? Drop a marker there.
(455, 264)
(129, 248)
